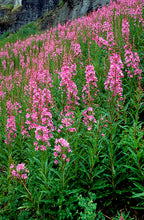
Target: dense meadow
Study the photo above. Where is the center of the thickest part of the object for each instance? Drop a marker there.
(71, 119)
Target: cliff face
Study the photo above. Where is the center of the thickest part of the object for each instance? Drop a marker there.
(71, 10)
(24, 12)
(35, 9)
(5, 2)
(74, 9)
(31, 10)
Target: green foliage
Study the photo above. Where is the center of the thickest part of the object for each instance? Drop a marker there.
(61, 3)
(89, 208)
(23, 33)
(10, 6)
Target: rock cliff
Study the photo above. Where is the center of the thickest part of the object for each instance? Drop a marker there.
(24, 12)
(57, 11)
(71, 10)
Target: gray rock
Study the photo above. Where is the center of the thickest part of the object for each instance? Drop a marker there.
(6, 2)
(73, 9)
(34, 9)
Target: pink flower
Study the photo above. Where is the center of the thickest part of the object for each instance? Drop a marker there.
(89, 118)
(11, 166)
(56, 161)
(61, 149)
(68, 84)
(24, 176)
(20, 167)
(11, 128)
(63, 156)
(55, 154)
(17, 173)
(67, 160)
(37, 148)
(58, 148)
(125, 29)
(71, 129)
(69, 150)
(89, 128)
(113, 81)
(90, 86)
(14, 173)
(27, 171)
(43, 148)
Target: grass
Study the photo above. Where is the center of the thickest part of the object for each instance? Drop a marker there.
(21, 34)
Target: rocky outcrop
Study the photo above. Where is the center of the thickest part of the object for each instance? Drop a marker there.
(8, 19)
(36, 9)
(6, 2)
(71, 10)
(31, 10)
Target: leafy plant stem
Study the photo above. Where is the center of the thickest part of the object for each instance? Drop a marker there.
(136, 122)
(29, 195)
(111, 144)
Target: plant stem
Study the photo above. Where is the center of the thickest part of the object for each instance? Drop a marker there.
(136, 122)
(29, 195)
(111, 145)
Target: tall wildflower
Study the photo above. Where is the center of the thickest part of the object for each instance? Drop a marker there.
(90, 89)
(113, 81)
(62, 149)
(39, 116)
(67, 121)
(69, 87)
(125, 30)
(132, 61)
(19, 171)
(77, 49)
(88, 118)
(10, 129)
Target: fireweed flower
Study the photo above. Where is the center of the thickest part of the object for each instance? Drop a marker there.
(24, 132)
(11, 166)
(113, 81)
(90, 88)
(13, 108)
(41, 147)
(125, 30)
(88, 118)
(68, 86)
(77, 49)
(41, 102)
(20, 167)
(132, 61)
(62, 149)
(108, 29)
(39, 117)
(10, 129)
(67, 121)
(19, 171)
